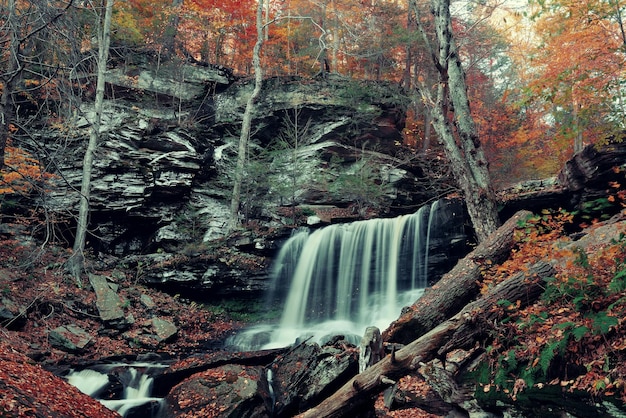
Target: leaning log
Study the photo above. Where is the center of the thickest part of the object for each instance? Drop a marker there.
(461, 285)
(460, 331)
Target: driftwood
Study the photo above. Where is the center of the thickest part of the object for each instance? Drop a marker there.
(460, 331)
(461, 286)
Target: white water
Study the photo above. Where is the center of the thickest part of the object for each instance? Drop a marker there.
(137, 385)
(90, 382)
(344, 278)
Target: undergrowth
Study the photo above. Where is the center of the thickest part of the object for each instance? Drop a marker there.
(573, 336)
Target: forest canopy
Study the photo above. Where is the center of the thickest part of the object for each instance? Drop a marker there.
(544, 77)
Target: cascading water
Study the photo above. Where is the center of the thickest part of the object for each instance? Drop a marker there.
(343, 278)
(136, 385)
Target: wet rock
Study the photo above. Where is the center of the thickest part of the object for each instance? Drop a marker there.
(226, 391)
(308, 373)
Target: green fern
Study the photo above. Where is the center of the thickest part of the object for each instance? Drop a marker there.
(579, 332)
(549, 352)
(602, 323)
(618, 283)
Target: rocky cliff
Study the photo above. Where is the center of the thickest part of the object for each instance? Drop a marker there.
(162, 174)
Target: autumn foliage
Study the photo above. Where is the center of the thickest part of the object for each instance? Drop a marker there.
(22, 172)
(573, 337)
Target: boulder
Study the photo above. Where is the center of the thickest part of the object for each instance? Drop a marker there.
(108, 302)
(69, 338)
(243, 385)
(225, 391)
(163, 329)
(11, 316)
(308, 373)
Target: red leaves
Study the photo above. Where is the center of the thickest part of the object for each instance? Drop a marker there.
(26, 390)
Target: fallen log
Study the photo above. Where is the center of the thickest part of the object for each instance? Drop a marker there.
(460, 331)
(461, 286)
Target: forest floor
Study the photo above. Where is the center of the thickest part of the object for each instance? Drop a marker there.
(33, 281)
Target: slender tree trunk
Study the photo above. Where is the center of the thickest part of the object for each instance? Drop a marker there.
(336, 40)
(247, 120)
(169, 39)
(17, 29)
(6, 112)
(76, 262)
(620, 22)
(8, 79)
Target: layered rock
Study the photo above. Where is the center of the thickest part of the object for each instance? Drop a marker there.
(162, 172)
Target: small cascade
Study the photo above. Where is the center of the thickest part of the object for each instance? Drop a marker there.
(342, 278)
(125, 388)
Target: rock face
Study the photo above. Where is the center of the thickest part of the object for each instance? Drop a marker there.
(162, 172)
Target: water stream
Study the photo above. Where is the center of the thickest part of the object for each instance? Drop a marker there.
(343, 278)
(125, 388)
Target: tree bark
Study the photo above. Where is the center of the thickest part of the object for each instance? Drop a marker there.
(456, 288)
(460, 331)
(75, 264)
(247, 120)
(459, 136)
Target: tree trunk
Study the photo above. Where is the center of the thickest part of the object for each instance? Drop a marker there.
(8, 80)
(459, 136)
(76, 262)
(460, 331)
(19, 26)
(247, 120)
(6, 111)
(171, 31)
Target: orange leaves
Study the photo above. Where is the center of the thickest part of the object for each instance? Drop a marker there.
(22, 172)
(580, 319)
(577, 66)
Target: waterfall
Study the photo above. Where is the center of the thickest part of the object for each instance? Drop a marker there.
(342, 278)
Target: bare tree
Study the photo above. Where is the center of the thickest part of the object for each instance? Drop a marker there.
(452, 119)
(247, 119)
(20, 24)
(76, 262)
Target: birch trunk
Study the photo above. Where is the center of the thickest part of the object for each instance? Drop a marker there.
(247, 120)
(76, 262)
